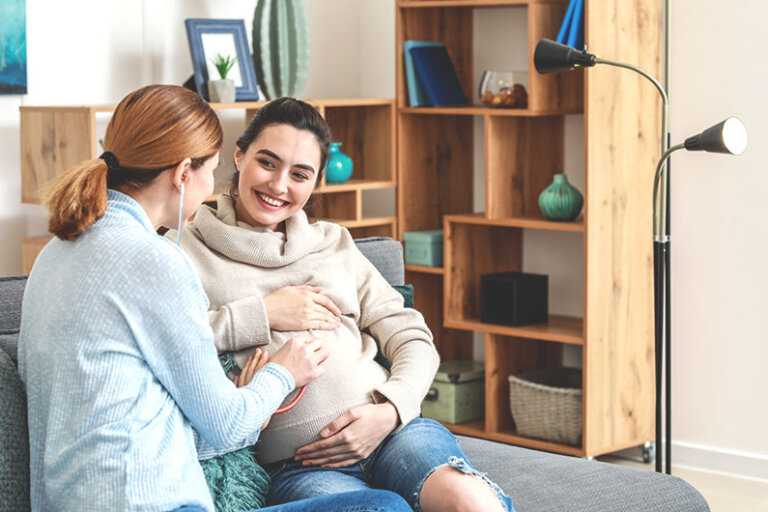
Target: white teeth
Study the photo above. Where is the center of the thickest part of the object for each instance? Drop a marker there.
(270, 201)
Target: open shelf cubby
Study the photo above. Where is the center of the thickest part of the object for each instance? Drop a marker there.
(53, 139)
(599, 264)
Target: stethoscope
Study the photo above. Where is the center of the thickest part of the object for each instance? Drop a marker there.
(303, 389)
(294, 402)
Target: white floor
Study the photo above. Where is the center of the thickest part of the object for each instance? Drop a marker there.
(724, 493)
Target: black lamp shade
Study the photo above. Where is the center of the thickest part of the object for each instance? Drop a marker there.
(551, 57)
(729, 136)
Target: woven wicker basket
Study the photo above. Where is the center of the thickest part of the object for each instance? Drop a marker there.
(547, 404)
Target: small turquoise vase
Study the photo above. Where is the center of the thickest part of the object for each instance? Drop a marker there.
(339, 166)
(561, 201)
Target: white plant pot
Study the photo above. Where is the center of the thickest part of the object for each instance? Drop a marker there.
(221, 91)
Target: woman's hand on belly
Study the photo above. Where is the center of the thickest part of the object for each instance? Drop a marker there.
(351, 437)
(254, 363)
(301, 308)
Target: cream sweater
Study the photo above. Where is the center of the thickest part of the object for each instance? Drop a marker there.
(239, 264)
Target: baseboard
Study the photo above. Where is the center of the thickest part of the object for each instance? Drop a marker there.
(720, 460)
(710, 459)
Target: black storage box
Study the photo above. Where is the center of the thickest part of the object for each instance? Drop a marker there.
(514, 298)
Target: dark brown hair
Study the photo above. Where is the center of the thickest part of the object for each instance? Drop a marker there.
(152, 129)
(299, 114)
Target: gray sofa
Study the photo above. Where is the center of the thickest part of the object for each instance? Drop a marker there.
(537, 481)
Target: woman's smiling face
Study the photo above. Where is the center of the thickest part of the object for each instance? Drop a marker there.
(278, 173)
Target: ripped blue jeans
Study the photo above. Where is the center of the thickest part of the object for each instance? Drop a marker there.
(401, 463)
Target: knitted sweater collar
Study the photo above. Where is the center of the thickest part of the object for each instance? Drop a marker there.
(219, 230)
(119, 205)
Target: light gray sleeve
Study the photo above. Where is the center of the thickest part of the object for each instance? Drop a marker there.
(270, 384)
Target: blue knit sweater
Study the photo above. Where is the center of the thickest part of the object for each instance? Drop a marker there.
(118, 361)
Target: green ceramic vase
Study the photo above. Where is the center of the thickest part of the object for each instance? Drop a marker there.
(281, 47)
(561, 201)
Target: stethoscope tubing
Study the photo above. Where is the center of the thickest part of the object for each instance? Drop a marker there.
(294, 402)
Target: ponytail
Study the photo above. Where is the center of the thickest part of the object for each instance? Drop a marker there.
(151, 130)
(77, 199)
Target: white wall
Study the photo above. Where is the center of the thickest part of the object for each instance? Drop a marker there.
(720, 239)
(87, 51)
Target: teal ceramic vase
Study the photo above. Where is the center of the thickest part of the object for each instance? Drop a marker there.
(339, 166)
(561, 201)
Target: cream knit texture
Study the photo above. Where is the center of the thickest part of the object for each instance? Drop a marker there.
(239, 264)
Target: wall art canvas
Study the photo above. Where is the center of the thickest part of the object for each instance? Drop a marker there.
(13, 47)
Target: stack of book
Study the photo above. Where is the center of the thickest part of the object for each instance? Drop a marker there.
(430, 75)
(572, 29)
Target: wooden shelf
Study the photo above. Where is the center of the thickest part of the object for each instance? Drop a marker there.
(475, 110)
(560, 329)
(473, 3)
(351, 102)
(69, 108)
(352, 185)
(477, 429)
(318, 102)
(519, 222)
(367, 227)
(349, 186)
(366, 126)
(365, 223)
(56, 138)
(521, 150)
(237, 105)
(423, 269)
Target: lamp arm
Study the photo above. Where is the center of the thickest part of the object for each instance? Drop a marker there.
(657, 226)
(650, 77)
(660, 208)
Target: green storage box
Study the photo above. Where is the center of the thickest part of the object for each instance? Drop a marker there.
(424, 247)
(457, 393)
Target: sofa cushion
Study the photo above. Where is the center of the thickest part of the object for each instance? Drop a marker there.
(14, 445)
(11, 293)
(9, 343)
(386, 254)
(546, 482)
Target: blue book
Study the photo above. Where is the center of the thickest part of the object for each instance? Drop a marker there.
(417, 96)
(438, 76)
(562, 36)
(576, 31)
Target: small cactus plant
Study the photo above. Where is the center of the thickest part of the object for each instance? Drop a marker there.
(281, 47)
(224, 64)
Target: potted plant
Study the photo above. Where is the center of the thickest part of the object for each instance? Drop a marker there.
(223, 90)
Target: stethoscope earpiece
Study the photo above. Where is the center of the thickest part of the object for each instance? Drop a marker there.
(181, 214)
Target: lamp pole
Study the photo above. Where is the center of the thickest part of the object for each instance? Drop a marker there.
(729, 136)
(666, 250)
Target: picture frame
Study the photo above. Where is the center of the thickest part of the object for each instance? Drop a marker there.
(13, 47)
(207, 37)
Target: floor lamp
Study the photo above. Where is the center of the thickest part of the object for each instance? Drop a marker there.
(726, 137)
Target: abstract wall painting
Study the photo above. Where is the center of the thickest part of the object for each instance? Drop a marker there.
(13, 47)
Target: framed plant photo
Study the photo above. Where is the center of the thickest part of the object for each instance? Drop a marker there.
(210, 39)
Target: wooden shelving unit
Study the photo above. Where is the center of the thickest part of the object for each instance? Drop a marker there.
(53, 139)
(522, 150)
